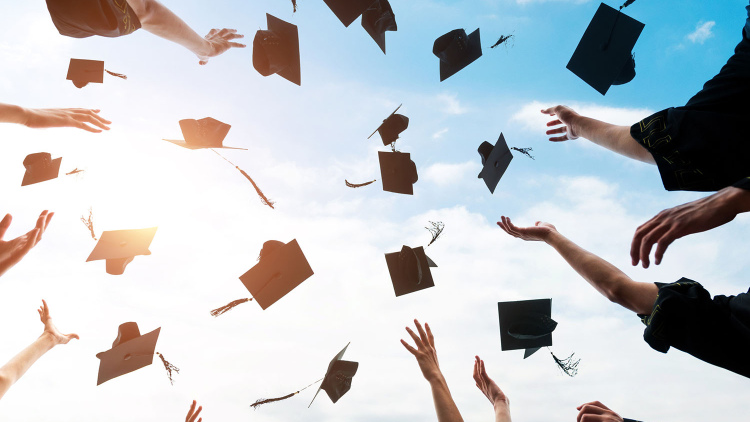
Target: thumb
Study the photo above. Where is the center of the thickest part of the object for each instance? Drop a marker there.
(4, 224)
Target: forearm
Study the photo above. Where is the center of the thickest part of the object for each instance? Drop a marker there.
(16, 367)
(614, 138)
(13, 114)
(502, 411)
(162, 22)
(445, 407)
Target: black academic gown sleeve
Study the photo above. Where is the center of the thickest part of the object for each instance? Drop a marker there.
(85, 18)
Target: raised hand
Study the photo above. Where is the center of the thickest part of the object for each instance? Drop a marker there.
(539, 232)
(565, 118)
(425, 351)
(219, 41)
(596, 412)
(486, 385)
(193, 413)
(49, 327)
(80, 118)
(12, 251)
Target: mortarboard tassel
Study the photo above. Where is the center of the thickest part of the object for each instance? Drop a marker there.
(524, 151)
(75, 171)
(90, 223)
(568, 365)
(358, 185)
(263, 198)
(219, 311)
(626, 4)
(435, 231)
(294, 6)
(264, 401)
(119, 75)
(502, 39)
(169, 367)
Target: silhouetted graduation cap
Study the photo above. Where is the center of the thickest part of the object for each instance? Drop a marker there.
(119, 247)
(276, 50)
(204, 133)
(398, 172)
(348, 10)
(377, 19)
(409, 270)
(338, 378)
(40, 167)
(495, 160)
(130, 351)
(456, 51)
(603, 57)
(82, 72)
(391, 127)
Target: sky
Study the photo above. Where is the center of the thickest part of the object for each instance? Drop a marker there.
(302, 143)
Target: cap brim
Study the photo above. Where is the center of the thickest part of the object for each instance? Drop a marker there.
(127, 357)
(475, 51)
(37, 176)
(118, 244)
(348, 10)
(378, 37)
(288, 32)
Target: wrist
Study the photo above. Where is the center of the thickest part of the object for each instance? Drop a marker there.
(435, 378)
(553, 238)
(737, 199)
(23, 115)
(48, 340)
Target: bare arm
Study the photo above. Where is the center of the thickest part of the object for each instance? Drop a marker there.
(600, 274)
(81, 118)
(16, 367)
(614, 138)
(426, 356)
(160, 21)
(494, 394)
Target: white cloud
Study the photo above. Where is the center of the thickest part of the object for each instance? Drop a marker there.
(439, 134)
(703, 31)
(451, 105)
(444, 174)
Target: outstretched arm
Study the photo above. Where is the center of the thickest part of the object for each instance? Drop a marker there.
(499, 400)
(614, 138)
(38, 118)
(16, 367)
(12, 251)
(600, 274)
(426, 356)
(162, 22)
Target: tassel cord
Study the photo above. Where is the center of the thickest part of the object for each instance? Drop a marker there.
(221, 310)
(119, 75)
(169, 367)
(260, 402)
(358, 185)
(263, 198)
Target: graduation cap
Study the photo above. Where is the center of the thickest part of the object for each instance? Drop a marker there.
(82, 72)
(336, 382)
(119, 247)
(280, 268)
(409, 270)
(604, 55)
(204, 133)
(40, 167)
(377, 19)
(495, 160)
(391, 127)
(528, 324)
(276, 50)
(348, 10)
(456, 50)
(130, 351)
(398, 172)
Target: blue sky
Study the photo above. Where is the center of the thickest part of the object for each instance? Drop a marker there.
(302, 143)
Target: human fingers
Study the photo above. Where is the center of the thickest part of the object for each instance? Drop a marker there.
(94, 119)
(4, 224)
(225, 32)
(648, 241)
(430, 337)
(596, 403)
(559, 138)
(197, 412)
(233, 36)
(550, 111)
(635, 244)
(411, 350)
(476, 371)
(32, 238)
(191, 410)
(47, 220)
(558, 130)
(96, 114)
(557, 122)
(212, 32)
(663, 243)
(84, 126)
(237, 45)
(416, 339)
(422, 334)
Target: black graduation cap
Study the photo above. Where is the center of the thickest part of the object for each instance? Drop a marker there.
(130, 351)
(40, 167)
(495, 160)
(120, 247)
(456, 50)
(82, 72)
(391, 127)
(276, 50)
(204, 133)
(604, 56)
(348, 10)
(338, 378)
(377, 19)
(398, 172)
(409, 270)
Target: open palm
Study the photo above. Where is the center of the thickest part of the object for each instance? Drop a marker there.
(12, 251)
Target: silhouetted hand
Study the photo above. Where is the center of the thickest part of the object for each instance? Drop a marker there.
(596, 412)
(565, 116)
(694, 217)
(193, 413)
(425, 351)
(220, 41)
(50, 329)
(66, 117)
(539, 232)
(12, 251)
(486, 385)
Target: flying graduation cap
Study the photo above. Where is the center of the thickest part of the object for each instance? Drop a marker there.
(130, 351)
(40, 167)
(82, 72)
(276, 50)
(391, 127)
(409, 270)
(204, 133)
(398, 172)
(495, 160)
(456, 50)
(281, 267)
(120, 247)
(348, 10)
(377, 19)
(528, 324)
(336, 382)
(604, 55)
